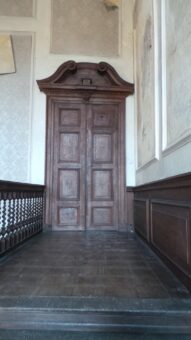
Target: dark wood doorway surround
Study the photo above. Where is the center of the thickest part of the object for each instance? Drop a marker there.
(85, 147)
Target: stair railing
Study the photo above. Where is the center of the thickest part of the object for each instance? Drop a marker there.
(21, 213)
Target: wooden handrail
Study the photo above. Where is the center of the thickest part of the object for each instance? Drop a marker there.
(9, 185)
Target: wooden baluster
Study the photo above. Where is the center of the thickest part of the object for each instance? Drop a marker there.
(3, 229)
(15, 210)
(32, 207)
(11, 221)
(42, 210)
(39, 213)
(13, 224)
(28, 212)
(31, 213)
(2, 241)
(27, 216)
(8, 230)
(23, 215)
(19, 216)
(35, 213)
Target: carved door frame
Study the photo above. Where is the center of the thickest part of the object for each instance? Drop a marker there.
(82, 82)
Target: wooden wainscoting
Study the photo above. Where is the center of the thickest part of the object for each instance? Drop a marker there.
(141, 218)
(170, 231)
(162, 216)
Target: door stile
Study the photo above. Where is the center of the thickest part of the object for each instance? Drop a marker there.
(68, 193)
(121, 167)
(88, 166)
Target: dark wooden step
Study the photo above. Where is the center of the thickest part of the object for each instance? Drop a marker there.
(64, 335)
(167, 316)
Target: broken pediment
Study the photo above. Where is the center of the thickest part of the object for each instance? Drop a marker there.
(88, 76)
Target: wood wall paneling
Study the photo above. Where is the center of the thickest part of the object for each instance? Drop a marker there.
(141, 217)
(162, 216)
(170, 231)
(129, 201)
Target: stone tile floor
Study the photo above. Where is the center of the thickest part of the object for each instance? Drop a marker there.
(108, 264)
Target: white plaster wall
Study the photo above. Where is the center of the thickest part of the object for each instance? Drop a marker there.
(172, 25)
(178, 75)
(46, 63)
(144, 74)
(96, 33)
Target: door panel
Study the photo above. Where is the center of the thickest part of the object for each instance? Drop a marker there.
(69, 184)
(69, 167)
(102, 217)
(102, 169)
(102, 185)
(70, 117)
(69, 147)
(102, 148)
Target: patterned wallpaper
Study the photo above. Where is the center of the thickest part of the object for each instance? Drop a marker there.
(14, 113)
(19, 8)
(85, 27)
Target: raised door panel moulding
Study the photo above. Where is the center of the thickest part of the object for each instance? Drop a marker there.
(146, 47)
(69, 184)
(102, 216)
(103, 148)
(68, 216)
(17, 8)
(102, 186)
(69, 147)
(176, 74)
(70, 117)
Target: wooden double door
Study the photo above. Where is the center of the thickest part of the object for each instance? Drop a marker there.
(86, 161)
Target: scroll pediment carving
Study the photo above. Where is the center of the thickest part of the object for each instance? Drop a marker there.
(88, 76)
